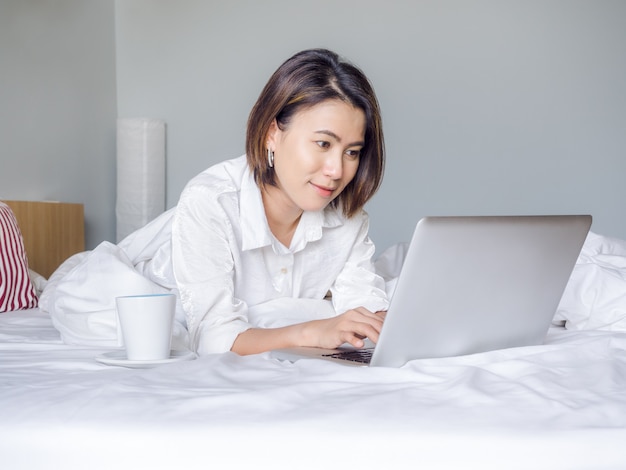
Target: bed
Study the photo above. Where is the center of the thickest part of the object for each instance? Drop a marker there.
(560, 405)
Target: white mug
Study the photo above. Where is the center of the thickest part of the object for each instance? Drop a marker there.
(146, 322)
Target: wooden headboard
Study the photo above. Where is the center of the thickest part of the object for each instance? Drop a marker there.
(52, 232)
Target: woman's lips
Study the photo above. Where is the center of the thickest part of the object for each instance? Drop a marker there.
(323, 191)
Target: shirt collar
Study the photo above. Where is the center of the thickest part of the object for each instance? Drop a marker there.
(255, 232)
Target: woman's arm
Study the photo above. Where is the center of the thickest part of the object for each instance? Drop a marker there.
(350, 327)
(358, 284)
(203, 267)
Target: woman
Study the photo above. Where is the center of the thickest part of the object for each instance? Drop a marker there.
(271, 249)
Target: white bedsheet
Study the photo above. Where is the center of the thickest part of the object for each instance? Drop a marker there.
(561, 405)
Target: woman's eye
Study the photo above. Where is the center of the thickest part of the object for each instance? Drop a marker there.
(323, 144)
(353, 154)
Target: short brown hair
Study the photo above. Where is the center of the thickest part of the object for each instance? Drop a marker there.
(304, 80)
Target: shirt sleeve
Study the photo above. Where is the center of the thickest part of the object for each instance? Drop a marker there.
(204, 271)
(358, 285)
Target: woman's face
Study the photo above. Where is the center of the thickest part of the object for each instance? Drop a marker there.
(317, 155)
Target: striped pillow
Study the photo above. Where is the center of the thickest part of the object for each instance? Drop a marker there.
(16, 289)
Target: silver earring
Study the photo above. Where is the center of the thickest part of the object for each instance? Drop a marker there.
(270, 158)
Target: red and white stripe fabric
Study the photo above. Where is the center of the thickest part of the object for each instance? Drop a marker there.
(16, 289)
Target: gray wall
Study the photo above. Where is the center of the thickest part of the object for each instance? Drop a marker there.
(490, 107)
(58, 106)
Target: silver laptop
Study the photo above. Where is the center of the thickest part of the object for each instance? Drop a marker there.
(469, 285)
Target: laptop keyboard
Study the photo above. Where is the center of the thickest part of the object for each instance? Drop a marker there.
(354, 355)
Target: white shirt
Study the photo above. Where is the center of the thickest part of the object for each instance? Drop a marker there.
(231, 273)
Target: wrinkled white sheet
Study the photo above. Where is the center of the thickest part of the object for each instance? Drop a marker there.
(561, 405)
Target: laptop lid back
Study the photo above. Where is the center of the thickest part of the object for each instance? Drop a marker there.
(473, 284)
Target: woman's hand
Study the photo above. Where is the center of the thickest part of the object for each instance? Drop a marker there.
(349, 327)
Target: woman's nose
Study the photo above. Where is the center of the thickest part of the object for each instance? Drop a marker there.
(333, 165)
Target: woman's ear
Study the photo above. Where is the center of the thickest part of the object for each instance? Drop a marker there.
(272, 135)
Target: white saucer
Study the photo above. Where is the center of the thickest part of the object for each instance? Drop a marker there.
(118, 358)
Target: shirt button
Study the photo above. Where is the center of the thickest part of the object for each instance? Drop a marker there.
(284, 270)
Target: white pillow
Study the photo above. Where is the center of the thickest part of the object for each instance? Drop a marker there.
(595, 296)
